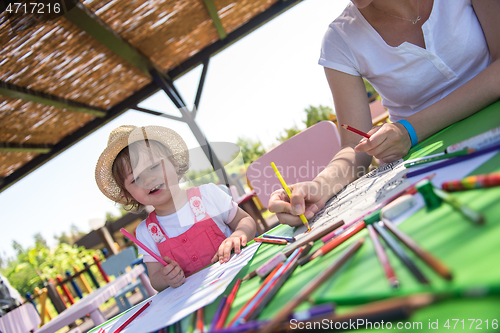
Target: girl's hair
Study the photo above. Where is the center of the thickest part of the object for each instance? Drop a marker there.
(122, 167)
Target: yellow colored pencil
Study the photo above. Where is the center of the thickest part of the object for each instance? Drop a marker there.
(287, 190)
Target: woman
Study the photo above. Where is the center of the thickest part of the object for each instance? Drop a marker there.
(432, 62)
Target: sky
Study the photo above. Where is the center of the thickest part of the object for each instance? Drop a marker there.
(254, 89)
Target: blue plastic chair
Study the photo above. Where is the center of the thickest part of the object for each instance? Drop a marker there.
(116, 265)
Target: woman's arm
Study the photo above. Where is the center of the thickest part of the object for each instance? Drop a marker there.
(351, 107)
(471, 97)
(244, 229)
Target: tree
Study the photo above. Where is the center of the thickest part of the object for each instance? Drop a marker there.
(36, 264)
(250, 150)
(39, 239)
(316, 114)
(288, 134)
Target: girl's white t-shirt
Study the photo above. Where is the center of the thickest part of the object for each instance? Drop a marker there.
(407, 77)
(218, 204)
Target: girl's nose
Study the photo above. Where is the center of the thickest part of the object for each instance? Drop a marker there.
(148, 179)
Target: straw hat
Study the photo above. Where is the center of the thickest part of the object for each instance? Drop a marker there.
(122, 137)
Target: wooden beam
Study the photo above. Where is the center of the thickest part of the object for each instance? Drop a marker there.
(212, 11)
(24, 148)
(13, 91)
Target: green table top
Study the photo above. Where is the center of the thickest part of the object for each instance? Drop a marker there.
(471, 252)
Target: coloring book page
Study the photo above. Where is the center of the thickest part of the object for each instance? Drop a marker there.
(375, 189)
(173, 304)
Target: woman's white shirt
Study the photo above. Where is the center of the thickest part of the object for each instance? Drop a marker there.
(407, 77)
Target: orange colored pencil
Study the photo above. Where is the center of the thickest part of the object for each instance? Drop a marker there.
(125, 324)
(200, 324)
(338, 240)
(271, 241)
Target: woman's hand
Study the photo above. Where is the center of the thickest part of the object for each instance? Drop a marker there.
(172, 273)
(307, 198)
(388, 142)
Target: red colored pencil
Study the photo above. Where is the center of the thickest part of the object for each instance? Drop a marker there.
(352, 129)
(271, 241)
(133, 317)
(382, 257)
(338, 240)
(227, 306)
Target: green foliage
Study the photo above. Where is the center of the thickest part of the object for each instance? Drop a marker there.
(250, 150)
(316, 114)
(198, 178)
(369, 87)
(110, 217)
(74, 235)
(288, 134)
(36, 264)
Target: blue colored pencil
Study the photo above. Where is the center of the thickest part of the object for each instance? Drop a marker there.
(288, 239)
(452, 161)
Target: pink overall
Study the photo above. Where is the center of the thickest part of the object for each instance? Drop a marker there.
(194, 249)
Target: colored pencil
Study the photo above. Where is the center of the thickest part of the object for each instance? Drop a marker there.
(275, 287)
(376, 210)
(428, 258)
(271, 241)
(314, 236)
(338, 240)
(260, 294)
(200, 322)
(470, 214)
(304, 294)
(144, 247)
(255, 325)
(463, 152)
(191, 323)
(227, 306)
(218, 312)
(388, 310)
(382, 257)
(472, 182)
(178, 327)
(250, 275)
(288, 239)
(452, 161)
(266, 281)
(272, 291)
(399, 252)
(135, 315)
(289, 193)
(352, 129)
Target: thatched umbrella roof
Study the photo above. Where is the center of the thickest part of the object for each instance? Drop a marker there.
(63, 75)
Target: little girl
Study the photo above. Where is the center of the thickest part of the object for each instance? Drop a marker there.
(188, 228)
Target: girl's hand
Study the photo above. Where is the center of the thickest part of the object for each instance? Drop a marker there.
(233, 241)
(388, 142)
(173, 273)
(307, 198)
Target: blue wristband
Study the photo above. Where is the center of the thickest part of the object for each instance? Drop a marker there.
(411, 131)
